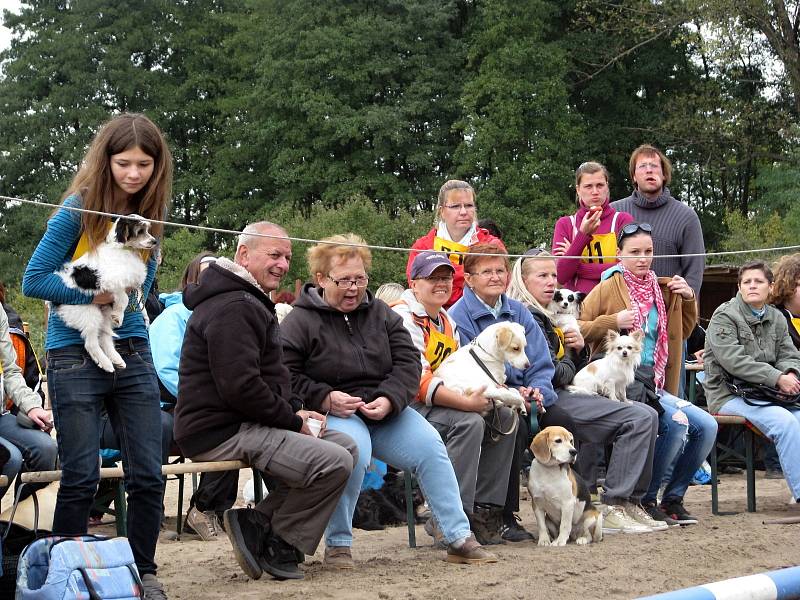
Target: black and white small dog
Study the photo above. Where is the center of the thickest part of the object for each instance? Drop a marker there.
(566, 308)
(114, 266)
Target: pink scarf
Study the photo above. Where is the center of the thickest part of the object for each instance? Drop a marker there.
(644, 293)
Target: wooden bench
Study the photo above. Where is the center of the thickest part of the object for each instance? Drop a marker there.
(748, 431)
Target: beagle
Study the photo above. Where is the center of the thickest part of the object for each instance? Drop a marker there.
(561, 501)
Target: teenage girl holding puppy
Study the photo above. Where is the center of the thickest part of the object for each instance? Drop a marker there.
(591, 232)
(128, 169)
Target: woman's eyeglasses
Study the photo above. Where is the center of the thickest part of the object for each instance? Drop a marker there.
(632, 229)
(346, 284)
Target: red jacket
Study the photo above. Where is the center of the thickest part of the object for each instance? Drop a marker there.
(426, 243)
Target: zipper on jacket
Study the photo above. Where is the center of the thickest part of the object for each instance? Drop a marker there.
(349, 327)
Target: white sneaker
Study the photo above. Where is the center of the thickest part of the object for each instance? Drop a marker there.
(639, 514)
(616, 520)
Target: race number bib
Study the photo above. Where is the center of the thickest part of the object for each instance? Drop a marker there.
(439, 347)
(560, 334)
(602, 245)
(447, 246)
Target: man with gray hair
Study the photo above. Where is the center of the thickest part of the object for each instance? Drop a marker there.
(235, 403)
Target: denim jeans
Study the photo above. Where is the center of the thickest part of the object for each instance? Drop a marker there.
(78, 391)
(14, 465)
(406, 441)
(686, 435)
(782, 426)
(37, 451)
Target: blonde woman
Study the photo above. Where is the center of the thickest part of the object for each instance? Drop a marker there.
(455, 230)
(351, 357)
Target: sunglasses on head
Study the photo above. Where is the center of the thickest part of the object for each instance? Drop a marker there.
(632, 229)
(535, 251)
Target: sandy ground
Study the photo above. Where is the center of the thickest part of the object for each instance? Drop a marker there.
(622, 566)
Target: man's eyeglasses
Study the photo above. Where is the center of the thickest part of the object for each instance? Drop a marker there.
(632, 229)
(489, 273)
(346, 284)
(648, 165)
(439, 278)
(459, 207)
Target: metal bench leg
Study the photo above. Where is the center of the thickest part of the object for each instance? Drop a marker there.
(121, 509)
(258, 490)
(179, 526)
(410, 517)
(714, 480)
(749, 452)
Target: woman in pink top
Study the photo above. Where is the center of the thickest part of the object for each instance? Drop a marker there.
(591, 232)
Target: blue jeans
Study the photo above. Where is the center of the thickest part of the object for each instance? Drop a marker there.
(34, 449)
(14, 465)
(782, 426)
(686, 435)
(78, 390)
(408, 442)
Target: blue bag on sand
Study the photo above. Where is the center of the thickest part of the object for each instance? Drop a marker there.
(85, 567)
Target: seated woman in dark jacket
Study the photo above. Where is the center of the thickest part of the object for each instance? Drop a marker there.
(631, 428)
(351, 357)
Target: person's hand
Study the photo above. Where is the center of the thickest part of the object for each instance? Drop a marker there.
(625, 319)
(574, 340)
(343, 405)
(560, 248)
(476, 401)
(590, 222)
(377, 409)
(310, 414)
(531, 396)
(678, 285)
(103, 298)
(42, 418)
(699, 356)
(789, 384)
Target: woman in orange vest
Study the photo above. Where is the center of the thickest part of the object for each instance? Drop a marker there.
(481, 464)
(455, 230)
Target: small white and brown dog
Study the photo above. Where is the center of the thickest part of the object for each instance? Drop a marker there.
(115, 266)
(561, 501)
(610, 375)
(482, 363)
(566, 308)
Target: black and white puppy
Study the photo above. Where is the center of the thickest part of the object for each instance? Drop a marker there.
(114, 266)
(566, 308)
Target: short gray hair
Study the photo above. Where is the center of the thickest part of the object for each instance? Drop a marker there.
(247, 237)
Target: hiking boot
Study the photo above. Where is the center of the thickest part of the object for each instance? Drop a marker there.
(615, 520)
(438, 537)
(773, 474)
(469, 553)
(674, 509)
(485, 524)
(659, 515)
(511, 531)
(640, 515)
(204, 524)
(338, 557)
(279, 558)
(247, 529)
(153, 590)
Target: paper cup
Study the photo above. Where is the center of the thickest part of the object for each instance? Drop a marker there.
(315, 425)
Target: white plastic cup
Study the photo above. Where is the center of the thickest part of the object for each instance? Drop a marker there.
(315, 425)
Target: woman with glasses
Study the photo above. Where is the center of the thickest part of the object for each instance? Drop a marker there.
(351, 357)
(481, 461)
(485, 303)
(455, 230)
(631, 297)
(630, 428)
(590, 233)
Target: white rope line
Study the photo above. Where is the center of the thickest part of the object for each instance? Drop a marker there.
(390, 248)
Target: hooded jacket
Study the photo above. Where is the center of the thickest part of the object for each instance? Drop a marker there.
(231, 369)
(166, 339)
(366, 352)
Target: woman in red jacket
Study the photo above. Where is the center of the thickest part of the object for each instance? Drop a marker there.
(455, 231)
(591, 232)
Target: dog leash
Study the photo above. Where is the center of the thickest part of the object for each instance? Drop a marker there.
(493, 421)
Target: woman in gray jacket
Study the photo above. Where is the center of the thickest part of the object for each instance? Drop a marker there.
(749, 339)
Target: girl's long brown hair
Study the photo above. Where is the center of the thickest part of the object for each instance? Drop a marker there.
(94, 182)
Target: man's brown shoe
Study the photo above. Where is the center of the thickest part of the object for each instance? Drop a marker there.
(469, 553)
(338, 557)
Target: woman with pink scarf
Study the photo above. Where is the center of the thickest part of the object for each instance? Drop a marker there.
(590, 233)
(631, 297)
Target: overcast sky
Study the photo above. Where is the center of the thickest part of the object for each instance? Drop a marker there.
(5, 34)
